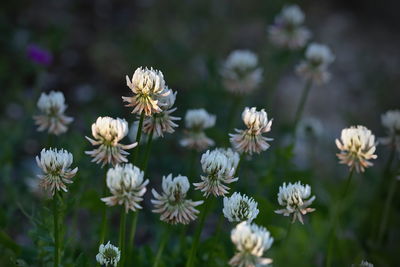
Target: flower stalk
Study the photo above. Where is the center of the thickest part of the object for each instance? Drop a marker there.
(122, 230)
(138, 136)
(199, 229)
(56, 231)
(336, 216)
(301, 105)
(163, 242)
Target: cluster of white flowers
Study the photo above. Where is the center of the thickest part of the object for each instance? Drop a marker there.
(357, 147)
(315, 66)
(109, 255)
(52, 118)
(162, 122)
(107, 133)
(172, 203)
(219, 165)
(241, 73)
(127, 186)
(295, 198)
(56, 167)
(288, 30)
(196, 121)
(238, 208)
(148, 86)
(251, 242)
(252, 140)
(391, 121)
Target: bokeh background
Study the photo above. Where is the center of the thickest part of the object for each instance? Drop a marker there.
(94, 44)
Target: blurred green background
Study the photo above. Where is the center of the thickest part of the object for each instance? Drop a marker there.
(94, 44)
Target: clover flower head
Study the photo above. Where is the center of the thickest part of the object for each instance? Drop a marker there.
(241, 73)
(357, 147)
(251, 140)
(163, 122)
(296, 198)
(127, 186)
(107, 133)
(251, 242)
(391, 121)
(148, 86)
(52, 118)
(109, 255)
(219, 166)
(56, 167)
(315, 66)
(196, 121)
(288, 30)
(172, 203)
(238, 208)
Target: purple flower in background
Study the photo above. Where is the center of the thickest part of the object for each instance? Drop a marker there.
(39, 55)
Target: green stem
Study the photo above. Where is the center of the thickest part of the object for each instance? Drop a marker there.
(336, 217)
(199, 228)
(192, 164)
(132, 234)
(122, 230)
(147, 151)
(103, 228)
(289, 230)
(163, 242)
(56, 231)
(389, 198)
(300, 107)
(138, 136)
(236, 101)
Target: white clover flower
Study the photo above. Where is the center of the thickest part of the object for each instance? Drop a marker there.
(148, 86)
(295, 198)
(288, 31)
(56, 167)
(172, 203)
(109, 255)
(196, 121)
(219, 165)
(127, 186)
(107, 133)
(315, 67)
(238, 208)
(52, 118)
(365, 264)
(241, 73)
(251, 242)
(357, 147)
(391, 121)
(251, 140)
(162, 122)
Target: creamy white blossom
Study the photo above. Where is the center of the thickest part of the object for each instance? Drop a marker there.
(172, 203)
(107, 133)
(391, 121)
(241, 73)
(288, 30)
(56, 167)
(251, 242)
(196, 121)
(109, 255)
(148, 86)
(252, 140)
(315, 66)
(357, 147)
(238, 208)
(295, 198)
(52, 118)
(219, 166)
(162, 122)
(127, 186)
